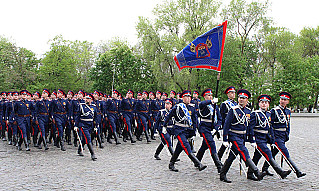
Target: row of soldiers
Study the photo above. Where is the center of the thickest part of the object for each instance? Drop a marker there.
(46, 116)
(238, 124)
(180, 118)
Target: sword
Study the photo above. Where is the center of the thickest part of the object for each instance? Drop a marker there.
(283, 156)
(266, 160)
(240, 163)
(77, 134)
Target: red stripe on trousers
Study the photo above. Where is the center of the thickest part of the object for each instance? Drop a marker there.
(165, 140)
(267, 158)
(181, 142)
(280, 149)
(86, 141)
(210, 149)
(242, 153)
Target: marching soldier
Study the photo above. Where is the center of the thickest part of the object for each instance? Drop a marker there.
(164, 97)
(206, 129)
(42, 108)
(74, 109)
(235, 126)
(100, 113)
(224, 109)
(156, 105)
(22, 109)
(6, 114)
(165, 133)
(261, 132)
(60, 112)
(69, 125)
(142, 109)
(172, 95)
(127, 107)
(184, 128)
(280, 120)
(84, 122)
(112, 110)
(2, 116)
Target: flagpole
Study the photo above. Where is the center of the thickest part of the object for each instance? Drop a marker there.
(216, 94)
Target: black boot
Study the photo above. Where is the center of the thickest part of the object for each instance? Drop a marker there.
(265, 169)
(158, 151)
(152, 134)
(191, 143)
(80, 153)
(116, 139)
(298, 172)
(35, 141)
(62, 145)
(196, 162)
(39, 143)
(131, 137)
(217, 162)
(14, 140)
(124, 135)
(250, 175)
(221, 152)
(45, 144)
(283, 174)
(147, 137)
(251, 165)
(91, 151)
(100, 142)
(224, 171)
(20, 143)
(57, 142)
(26, 143)
(199, 155)
(172, 162)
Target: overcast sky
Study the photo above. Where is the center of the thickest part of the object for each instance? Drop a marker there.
(32, 23)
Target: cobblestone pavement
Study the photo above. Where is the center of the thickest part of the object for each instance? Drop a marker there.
(132, 167)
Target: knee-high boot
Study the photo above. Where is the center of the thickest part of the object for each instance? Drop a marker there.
(91, 151)
(158, 151)
(217, 162)
(298, 172)
(224, 171)
(283, 174)
(254, 169)
(196, 162)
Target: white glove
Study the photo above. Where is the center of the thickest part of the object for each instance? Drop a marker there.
(254, 145)
(226, 144)
(213, 131)
(95, 129)
(164, 130)
(76, 128)
(215, 100)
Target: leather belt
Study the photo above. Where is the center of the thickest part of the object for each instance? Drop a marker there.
(99, 113)
(156, 110)
(261, 131)
(280, 129)
(181, 124)
(43, 114)
(86, 119)
(238, 132)
(130, 110)
(24, 115)
(112, 112)
(143, 111)
(60, 113)
(206, 120)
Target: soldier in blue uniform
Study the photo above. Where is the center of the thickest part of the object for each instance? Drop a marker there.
(224, 109)
(60, 112)
(156, 105)
(261, 132)
(35, 126)
(74, 106)
(112, 112)
(142, 109)
(84, 122)
(126, 108)
(100, 115)
(280, 120)
(206, 129)
(6, 118)
(22, 109)
(164, 97)
(10, 117)
(165, 133)
(42, 108)
(172, 95)
(184, 128)
(2, 116)
(69, 125)
(235, 128)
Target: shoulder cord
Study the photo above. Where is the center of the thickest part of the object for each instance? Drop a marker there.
(240, 120)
